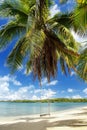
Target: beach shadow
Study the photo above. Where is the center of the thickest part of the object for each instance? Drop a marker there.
(35, 118)
(84, 109)
(40, 125)
(81, 113)
(43, 125)
(69, 123)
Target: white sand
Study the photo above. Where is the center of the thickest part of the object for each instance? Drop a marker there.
(73, 119)
(67, 128)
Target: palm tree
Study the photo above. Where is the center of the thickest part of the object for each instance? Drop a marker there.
(80, 22)
(43, 41)
(82, 65)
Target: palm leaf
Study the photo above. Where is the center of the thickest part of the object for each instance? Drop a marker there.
(62, 64)
(36, 45)
(59, 44)
(45, 63)
(9, 32)
(44, 42)
(66, 37)
(62, 19)
(15, 58)
(61, 30)
(10, 8)
(82, 65)
(81, 1)
(80, 18)
(63, 1)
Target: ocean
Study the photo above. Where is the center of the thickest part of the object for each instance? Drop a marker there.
(8, 109)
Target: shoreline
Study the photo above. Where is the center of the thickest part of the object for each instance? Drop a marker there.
(68, 111)
(75, 118)
(55, 112)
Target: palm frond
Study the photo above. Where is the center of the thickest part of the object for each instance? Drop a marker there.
(36, 46)
(80, 18)
(9, 32)
(81, 1)
(62, 64)
(10, 8)
(66, 36)
(63, 1)
(59, 43)
(82, 65)
(45, 63)
(42, 42)
(63, 33)
(62, 19)
(15, 58)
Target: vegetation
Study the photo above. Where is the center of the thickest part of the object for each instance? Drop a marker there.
(50, 100)
(44, 41)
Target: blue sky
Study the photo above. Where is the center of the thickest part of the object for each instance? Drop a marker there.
(20, 86)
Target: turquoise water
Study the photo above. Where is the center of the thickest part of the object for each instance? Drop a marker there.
(20, 109)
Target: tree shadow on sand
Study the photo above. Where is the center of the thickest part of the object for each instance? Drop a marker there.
(44, 124)
(70, 123)
(82, 113)
(27, 119)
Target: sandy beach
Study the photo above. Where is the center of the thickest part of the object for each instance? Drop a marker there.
(73, 119)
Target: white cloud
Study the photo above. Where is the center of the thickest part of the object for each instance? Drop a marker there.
(76, 96)
(37, 91)
(73, 73)
(43, 93)
(23, 92)
(69, 90)
(85, 90)
(81, 39)
(24, 72)
(47, 93)
(5, 82)
(52, 83)
(54, 10)
(4, 88)
(67, 97)
(15, 82)
(62, 91)
(8, 78)
(4, 78)
(45, 83)
(34, 97)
